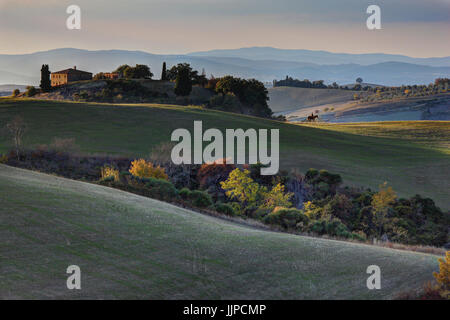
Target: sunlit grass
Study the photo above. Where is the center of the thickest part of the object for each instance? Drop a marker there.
(412, 156)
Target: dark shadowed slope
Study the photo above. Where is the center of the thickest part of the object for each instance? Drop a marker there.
(131, 247)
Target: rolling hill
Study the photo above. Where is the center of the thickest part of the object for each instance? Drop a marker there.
(131, 247)
(339, 106)
(319, 57)
(409, 164)
(283, 99)
(25, 68)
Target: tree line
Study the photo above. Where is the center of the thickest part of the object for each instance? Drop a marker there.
(233, 94)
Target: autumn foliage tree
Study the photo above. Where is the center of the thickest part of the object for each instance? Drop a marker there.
(443, 277)
(276, 197)
(144, 169)
(381, 202)
(241, 187)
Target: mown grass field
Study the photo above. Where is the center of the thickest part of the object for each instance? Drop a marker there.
(131, 247)
(363, 157)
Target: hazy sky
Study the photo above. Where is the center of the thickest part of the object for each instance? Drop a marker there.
(418, 28)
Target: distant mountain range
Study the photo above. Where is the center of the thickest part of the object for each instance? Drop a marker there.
(264, 64)
(320, 57)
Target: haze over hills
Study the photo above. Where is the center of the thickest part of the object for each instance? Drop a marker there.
(330, 67)
(320, 57)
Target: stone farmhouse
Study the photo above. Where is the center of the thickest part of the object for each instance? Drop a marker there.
(66, 76)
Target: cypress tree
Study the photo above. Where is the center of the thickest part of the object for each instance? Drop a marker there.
(45, 78)
(164, 72)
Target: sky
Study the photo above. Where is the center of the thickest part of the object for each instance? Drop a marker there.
(417, 28)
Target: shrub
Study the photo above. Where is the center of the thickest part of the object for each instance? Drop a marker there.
(106, 181)
(250, 210)
(359, 235)
(184, 193)
(161, 189)
(241, 187)
(225, 208)
(332, 227)
(16, 92)
(227, 102)
(108, 172)
(31, 91)
(276, 198)
(4, 158)
(200, 199)
(211, 174)
(339, 206)
(143, 169)
(323, 182)
(287, 218)
(312, 211)
(443, 277)
(311, 174)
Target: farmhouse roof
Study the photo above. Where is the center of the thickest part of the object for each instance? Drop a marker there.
(72, 71)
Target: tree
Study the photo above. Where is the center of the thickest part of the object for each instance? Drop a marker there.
(381, 202)
(45, 78)
(99, 76)
(144, 169)
(276, 198)
(359, 80)
(241, 187)
(140, 71)
(183, 82)
(17, 129)
(164, 72)
(121, 69)
(252, 93)
(443, 277)
(193, 74)
(31, 91)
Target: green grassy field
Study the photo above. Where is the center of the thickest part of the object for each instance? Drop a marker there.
(411, 166)
(129, 246)
(432, 134)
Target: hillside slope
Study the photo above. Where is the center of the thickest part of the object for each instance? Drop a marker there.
(27, 66)
(318, 57)
(133, 130)
(283, 99)
(129, 246)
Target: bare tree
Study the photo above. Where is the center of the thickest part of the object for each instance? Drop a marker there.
(16, 128)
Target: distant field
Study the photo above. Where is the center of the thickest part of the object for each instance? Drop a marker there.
(411, 166)
(284, 99)
(432, 134)
(131, 247)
